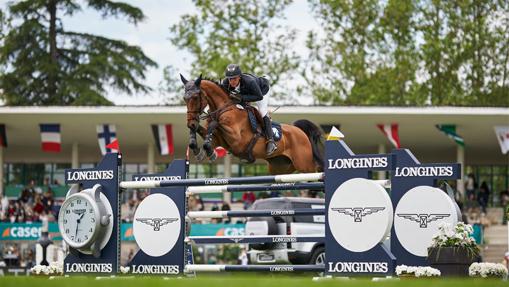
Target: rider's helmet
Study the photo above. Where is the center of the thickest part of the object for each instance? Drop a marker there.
(232, 71)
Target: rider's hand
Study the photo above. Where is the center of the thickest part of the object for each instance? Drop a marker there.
(235, 96)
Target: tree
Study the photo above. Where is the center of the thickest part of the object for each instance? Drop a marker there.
(341, 62)
(243, 32)
(48, 65)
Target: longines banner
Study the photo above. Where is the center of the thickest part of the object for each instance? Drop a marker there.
(32, 231)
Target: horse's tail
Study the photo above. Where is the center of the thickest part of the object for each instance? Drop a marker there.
(314, 134)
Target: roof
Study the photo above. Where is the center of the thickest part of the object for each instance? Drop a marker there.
(417, 130)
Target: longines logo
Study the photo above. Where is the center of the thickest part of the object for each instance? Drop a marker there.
(236, 239)
(358, 212)
(160, 177)
(89, 267)
(362, 162)
(89, 175)
(424, 171)
(423, 219)
(156, 222)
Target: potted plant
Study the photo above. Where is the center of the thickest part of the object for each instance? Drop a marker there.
(487, 270)
(404, 272)
(453, 250)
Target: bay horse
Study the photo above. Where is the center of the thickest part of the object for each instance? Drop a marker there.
(300, 148)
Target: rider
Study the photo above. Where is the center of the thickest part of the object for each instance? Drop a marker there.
(244, 87)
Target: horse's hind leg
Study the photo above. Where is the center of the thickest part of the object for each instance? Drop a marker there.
(280, 165)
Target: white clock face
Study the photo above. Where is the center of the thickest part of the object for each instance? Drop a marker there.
(78, 220)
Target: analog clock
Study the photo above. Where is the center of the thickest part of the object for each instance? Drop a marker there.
(85, 220)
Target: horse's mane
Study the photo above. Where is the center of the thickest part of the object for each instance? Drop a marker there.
(218, 83)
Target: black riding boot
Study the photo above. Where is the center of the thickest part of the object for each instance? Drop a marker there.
(271, 144)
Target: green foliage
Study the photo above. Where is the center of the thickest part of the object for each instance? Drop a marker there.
(409, 52)
(243, 32)
(48, 65)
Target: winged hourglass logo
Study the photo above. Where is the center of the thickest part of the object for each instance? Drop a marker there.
(156, 222)
(358, 212)
(423, 219)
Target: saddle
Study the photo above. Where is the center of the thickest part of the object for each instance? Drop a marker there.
(257, 126)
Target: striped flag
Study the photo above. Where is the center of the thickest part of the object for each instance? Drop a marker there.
(50, 137)
(106, 134)
(3, 136)
(391, 132)
(450, 131)
(503, 138)
(163, 135)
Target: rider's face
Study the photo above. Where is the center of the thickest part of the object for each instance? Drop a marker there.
(234, 82)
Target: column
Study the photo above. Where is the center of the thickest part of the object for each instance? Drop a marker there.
(1, 171)
(150, 158)
(227, 163)
(460, 158)
(381, 150)
(75, 163)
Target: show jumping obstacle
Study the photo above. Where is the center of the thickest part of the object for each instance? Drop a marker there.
(165, 245)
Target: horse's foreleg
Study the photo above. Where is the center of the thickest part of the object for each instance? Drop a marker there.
(193, 145)
(207, 143)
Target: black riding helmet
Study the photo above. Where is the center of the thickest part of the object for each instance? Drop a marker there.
(232, 71)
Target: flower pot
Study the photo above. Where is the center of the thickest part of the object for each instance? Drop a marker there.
(451, 261)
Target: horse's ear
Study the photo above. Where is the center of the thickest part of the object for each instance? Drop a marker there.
(184, 81)
(198, 81)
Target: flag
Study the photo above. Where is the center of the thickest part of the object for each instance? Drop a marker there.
(50, 137)
(334, 134)
(221, 151)
(113, 146)
(106, 135)
(327, 128)
(163, 135)
(3, 136)
(391, 132)
(502, 133)
(450, 131)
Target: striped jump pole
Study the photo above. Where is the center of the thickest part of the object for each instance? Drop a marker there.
(254, 239)
(255, 213)
(223, 181)
(261, 268)
(273, 187)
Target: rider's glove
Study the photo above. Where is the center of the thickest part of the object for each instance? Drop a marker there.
(235, 96)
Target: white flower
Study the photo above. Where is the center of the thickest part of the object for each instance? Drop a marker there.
(124, 270)
(417, 271)
(486, 269)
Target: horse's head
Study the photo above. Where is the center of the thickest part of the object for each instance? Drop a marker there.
(195, 103)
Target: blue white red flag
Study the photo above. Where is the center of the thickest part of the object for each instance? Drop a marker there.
(106, 134)
(50, 137)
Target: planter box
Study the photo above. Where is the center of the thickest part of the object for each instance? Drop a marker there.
(451, 261)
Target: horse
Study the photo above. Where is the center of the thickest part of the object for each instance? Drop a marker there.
(300, 148)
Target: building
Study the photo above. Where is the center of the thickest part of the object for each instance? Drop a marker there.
(23, 159)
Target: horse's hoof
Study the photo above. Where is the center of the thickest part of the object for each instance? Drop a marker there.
(200, 156)
(213, 156)
(207, 146)
(193, 145)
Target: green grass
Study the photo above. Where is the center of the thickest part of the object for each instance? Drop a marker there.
(238, 280)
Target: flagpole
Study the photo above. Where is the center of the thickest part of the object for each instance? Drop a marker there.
(1, 171)
(460, 158)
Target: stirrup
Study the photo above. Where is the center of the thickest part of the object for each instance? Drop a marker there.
(271, 151)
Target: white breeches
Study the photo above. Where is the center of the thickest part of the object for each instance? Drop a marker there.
(263, 105)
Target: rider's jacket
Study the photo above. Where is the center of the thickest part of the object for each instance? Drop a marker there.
(252, 88)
